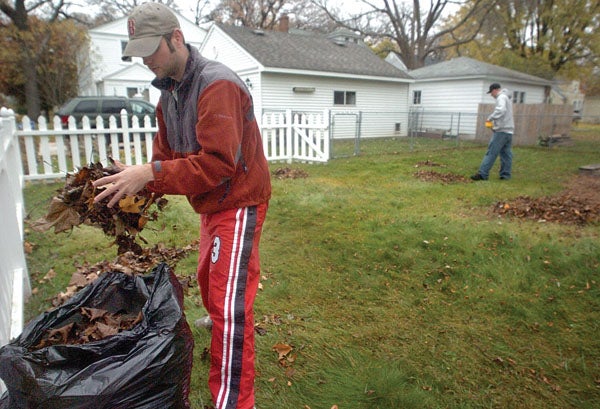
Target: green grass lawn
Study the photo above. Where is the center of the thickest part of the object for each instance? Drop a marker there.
(397, 293)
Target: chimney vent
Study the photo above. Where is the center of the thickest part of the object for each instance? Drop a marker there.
(284, 23)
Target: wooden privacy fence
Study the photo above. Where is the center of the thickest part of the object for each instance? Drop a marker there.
(52, 153)
(532, 122)
(14, 279)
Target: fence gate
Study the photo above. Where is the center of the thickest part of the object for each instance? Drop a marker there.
(345, 133)
(289, 136)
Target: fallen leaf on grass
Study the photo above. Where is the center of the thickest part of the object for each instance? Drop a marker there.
(289, 372)
(282, 349)
(28, 247)
(50, 275)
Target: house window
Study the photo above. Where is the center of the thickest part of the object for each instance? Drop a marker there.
(123, 45)
(416, 97)
(518, 97)
(344, 98)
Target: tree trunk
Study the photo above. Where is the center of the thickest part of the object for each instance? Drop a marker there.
(32, 91)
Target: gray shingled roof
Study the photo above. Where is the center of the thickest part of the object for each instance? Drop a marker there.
(310, 52)
(467, 67)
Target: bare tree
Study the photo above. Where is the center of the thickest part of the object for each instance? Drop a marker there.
(415, 30)
(112, 9)
(201, 11)
(305, 15)
(249, 13)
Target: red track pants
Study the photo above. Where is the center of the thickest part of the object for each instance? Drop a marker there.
(228, 275)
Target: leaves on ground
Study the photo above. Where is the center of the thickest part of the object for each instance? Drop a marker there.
(74, 205)
(432, 176)
(579, 204)
(289, 173)
(429, 163)
(445, 178)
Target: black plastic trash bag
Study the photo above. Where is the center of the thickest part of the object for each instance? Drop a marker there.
(146, 367)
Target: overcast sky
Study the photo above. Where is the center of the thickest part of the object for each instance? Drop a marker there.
(186, 6)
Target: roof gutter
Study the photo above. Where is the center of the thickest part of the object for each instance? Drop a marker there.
(344, 75)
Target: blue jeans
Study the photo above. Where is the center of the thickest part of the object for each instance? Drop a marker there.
(500, 144)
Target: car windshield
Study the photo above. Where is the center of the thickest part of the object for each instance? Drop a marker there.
(85, 107)
(142, 108)
(113, 106)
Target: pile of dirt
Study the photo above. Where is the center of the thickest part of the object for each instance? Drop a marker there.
(578, 204)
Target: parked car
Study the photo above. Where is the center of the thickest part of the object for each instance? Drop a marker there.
(106, 107)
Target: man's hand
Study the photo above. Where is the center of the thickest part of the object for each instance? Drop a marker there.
(129, 181)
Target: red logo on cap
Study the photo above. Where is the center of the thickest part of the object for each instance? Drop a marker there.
(131, 27)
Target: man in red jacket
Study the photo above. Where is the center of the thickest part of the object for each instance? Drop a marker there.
(208, 147)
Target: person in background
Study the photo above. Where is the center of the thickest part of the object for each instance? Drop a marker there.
(208, 147)
(503, 126)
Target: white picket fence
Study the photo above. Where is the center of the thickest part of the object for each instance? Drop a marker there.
(14, 279)
(52, 153)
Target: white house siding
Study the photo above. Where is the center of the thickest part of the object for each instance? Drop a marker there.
(134, 76)
(381, 104)
(222, 48)
(452, 105)
(441, 103)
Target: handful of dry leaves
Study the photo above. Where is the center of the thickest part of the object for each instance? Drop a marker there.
(74, 205)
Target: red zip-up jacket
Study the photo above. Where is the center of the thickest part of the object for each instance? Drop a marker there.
(208, 145)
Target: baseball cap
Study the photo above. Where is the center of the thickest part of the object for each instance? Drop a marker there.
(493, 86)
(146, 25)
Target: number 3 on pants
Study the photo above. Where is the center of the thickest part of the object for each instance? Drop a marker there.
(216, 247)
